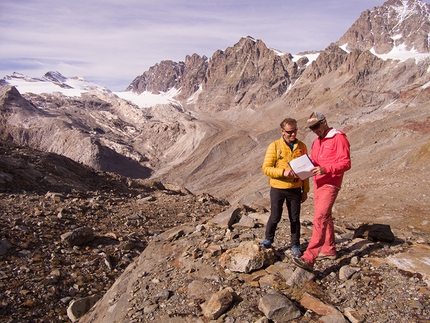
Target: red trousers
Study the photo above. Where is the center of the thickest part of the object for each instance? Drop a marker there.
(323, 231)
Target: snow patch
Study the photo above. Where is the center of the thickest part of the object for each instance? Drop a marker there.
(343, 47)
(311, 58)
(147, 99)
(396, 37)
(424, 86)
(402, 54)
(193, 98)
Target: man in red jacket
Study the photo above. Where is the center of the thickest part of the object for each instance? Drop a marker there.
(330, 154)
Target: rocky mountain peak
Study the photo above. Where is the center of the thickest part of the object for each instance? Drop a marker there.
(9, 93)
(246, 75)
(160, 77)
(55, 77)
(168, 74)
(395, 24)
(10, 102)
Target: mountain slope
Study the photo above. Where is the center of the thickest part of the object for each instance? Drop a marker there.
(213, 135)
(398, 23)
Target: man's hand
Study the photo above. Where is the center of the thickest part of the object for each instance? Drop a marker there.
(304, 196)
(289, 173)
(318, 170)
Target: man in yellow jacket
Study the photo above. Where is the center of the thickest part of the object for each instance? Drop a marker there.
(285, 185)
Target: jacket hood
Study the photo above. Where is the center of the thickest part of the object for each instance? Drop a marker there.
(333, 132)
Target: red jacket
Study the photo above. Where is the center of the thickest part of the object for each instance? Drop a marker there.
(333, 154)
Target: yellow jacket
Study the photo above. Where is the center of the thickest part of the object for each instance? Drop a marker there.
(276, 160)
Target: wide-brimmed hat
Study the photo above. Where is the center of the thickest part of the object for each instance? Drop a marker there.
(315, 118)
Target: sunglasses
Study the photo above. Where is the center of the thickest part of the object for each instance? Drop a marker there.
(316, 125)
(290, 132)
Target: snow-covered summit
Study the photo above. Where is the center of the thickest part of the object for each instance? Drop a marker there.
(397, 28)
(55, 82)
(51, 82)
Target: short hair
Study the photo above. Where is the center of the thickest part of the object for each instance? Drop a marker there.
(289, 121)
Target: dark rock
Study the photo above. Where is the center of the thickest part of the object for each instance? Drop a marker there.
(375, 232)
(77, 237)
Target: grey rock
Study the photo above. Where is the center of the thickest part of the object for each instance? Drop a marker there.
(278, 308)
(245, 222)
(79, 307)
(299, 277)
(335, 317)
(248, 256)
(345, 272)
(225, 219)
(162, 295)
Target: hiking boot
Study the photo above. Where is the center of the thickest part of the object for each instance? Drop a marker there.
(266, 244)
(300, 262)
(296, 252)
(323, 257)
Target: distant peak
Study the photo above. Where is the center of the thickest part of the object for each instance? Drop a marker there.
(397, 25)
(55, 77)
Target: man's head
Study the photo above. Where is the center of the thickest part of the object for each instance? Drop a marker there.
(289, 129)
(317, 123)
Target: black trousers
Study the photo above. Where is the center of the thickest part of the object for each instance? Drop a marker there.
(292, 198)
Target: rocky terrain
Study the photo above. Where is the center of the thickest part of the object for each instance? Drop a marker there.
(149, 274)
(71, 227)
(44, 196)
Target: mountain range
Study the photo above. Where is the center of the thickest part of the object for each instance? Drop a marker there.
(205, 123)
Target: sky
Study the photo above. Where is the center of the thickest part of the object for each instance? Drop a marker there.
(110, 42)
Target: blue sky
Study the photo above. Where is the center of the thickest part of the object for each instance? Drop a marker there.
(110, 42)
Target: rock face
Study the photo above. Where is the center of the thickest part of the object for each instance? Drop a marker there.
(96, 130)
(247, 76)
(396, 23)
(166, 75)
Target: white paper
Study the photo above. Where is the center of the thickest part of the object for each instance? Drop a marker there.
(302, 166)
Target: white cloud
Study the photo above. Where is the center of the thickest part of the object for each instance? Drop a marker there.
(111, 42)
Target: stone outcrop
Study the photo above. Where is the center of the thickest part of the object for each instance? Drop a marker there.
(394, 24)
(219, 302)
(278, 307)
(246, 258)
(247, 75)
(78, 237)
(162, 77)
(79, 307)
